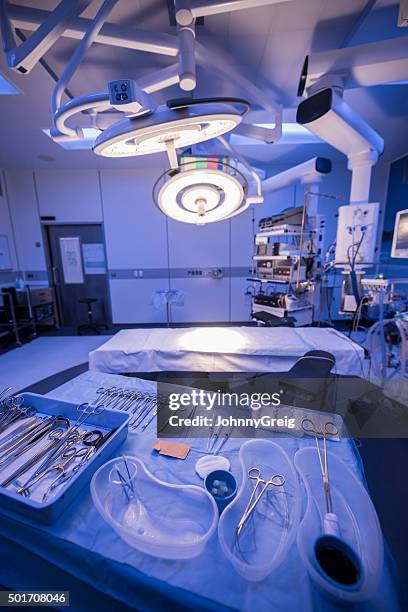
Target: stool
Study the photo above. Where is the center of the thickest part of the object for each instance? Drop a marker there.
(90, 325)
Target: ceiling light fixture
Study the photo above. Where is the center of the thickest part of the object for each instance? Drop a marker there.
(201, 195)
(179, 124)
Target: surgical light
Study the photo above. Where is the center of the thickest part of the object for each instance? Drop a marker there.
(201, 195)
(182, 124)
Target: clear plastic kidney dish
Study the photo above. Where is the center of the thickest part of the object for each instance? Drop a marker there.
(357, 518)
(161, 519)
(267, 535)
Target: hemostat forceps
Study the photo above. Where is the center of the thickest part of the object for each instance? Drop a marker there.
(330, 429)
(86, 411)
(254, 474)
(66, 458)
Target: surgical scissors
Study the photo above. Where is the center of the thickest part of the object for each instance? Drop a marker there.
(86, 410)
(255, 474)
(330, 429)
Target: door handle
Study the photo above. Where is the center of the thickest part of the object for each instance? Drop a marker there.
(55, 275)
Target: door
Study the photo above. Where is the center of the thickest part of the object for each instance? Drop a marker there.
(78, 266)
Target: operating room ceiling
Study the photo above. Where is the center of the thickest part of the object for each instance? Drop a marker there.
(265, 45)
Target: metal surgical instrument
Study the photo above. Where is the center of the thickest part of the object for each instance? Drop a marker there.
(17, 431)
(330, 429)
(138, 404)
(28, 441)
(254, 474)
(86, 410)
(92, 439)
(54, 437)
(66, 458)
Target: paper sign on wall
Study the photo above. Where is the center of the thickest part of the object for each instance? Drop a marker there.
(94, 258)
(5, 259)
(71, 260)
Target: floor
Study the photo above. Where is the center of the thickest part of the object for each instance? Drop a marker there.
(43, 357)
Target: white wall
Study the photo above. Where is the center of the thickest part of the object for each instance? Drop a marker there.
(71, 196)
(148, 252)
(26, 220)
(6, 227)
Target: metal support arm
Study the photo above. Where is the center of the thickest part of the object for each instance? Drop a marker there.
(24, 57)
(203, 8)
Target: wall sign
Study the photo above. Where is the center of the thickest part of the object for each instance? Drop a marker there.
(70, 249)
(5, 259)
(94, 258)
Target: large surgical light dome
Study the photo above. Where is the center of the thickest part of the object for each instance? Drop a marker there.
(184, 124)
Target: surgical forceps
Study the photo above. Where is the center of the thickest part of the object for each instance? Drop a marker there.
(13, 411)
(54, 437)
(66, 458)
(330, 429)
(92, 439)
(86, 410)
(254, 474)
(147, 405)
(12, 442)
(26, 442)
(24, 427)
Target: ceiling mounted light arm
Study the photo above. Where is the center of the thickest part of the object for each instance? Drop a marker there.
(186, 55)
(166, 77)
(203, 8)
(79, 53)
(257, 132)
(60, 132)
(308, 172)
(7, 30)
(358, 66)
(28, 18)
(328, 116)
(24, 57)
(76, 59)
(258, 199)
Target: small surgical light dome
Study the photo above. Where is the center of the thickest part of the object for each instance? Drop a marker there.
(201, 195)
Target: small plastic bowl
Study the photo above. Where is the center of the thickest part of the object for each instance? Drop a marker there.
(210, 483)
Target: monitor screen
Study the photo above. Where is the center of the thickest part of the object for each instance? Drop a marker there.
(400, 238)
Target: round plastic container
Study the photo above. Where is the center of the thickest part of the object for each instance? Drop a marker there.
(212, 484)
(358, 522)
(268, 534)
(163, 520)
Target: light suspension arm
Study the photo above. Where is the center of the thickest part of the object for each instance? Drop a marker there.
(202, 8)
(258, 199)
(309, 172)
(27, 18)
(24, 57)
(186, 56)
(61, 132)
(79, 53)
(101, 101)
